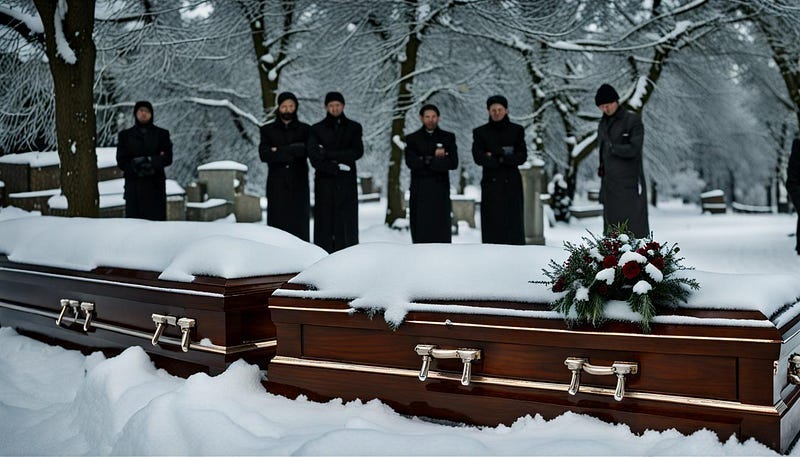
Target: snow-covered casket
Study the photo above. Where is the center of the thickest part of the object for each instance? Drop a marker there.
(458, 332)
(194, 295)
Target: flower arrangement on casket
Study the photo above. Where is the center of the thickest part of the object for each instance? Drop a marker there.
(618, 267)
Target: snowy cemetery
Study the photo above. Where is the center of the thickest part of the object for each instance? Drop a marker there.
(288, 227)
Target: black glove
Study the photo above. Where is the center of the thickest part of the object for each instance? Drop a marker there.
(143, 166)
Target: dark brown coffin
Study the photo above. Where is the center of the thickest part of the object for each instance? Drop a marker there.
(231, 317)
(733, 379)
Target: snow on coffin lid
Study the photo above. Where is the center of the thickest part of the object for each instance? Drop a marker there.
(112, 283)
(397, 279)
(472, 340)
(177, 250)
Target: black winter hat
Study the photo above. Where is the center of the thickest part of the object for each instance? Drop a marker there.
(142, 104)
(429, 107)
(334, 97)
(283, 96)
(496, 99)
(605, 94)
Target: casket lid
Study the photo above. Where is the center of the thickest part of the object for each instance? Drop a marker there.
(176, 250)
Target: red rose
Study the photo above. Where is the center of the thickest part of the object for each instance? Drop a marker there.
(658, 262)
(653, 245)
(641, 251)
(559, 285)
(631, 270)
(602, 289)
(609, 261)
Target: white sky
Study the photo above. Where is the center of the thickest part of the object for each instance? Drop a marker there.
(58, 402)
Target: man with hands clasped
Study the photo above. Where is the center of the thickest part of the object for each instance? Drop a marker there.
(334, 145)
(499, 147)
(283, 148)
(430, 153)
(142, 153)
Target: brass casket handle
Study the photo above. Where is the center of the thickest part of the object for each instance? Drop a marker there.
(161, 322)
(579, 364)
(68, 304)
(431, 351)
(88, 310)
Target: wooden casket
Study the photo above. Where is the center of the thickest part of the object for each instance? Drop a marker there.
(193, 295)
(457, 332)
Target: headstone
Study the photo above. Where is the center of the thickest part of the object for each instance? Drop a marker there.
(176, 207)
(196, 192)
(532, 206)
(247, 208)
(223, 179)
(463, 209)
(713, 202)
(209, 210)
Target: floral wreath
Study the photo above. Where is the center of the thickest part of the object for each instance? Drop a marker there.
(618, 267)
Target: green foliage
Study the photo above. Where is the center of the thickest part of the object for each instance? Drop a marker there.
(641, 272)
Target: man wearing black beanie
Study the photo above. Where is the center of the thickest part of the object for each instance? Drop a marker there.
(623, 191)
(499, 147)
(142, 153)
(283, 148)
(334, 145)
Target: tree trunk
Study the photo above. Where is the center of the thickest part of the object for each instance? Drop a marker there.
(269, 68)
(394, 194)
(73, 79)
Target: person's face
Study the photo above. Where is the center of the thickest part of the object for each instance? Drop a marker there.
(334, 108)
(609, 108)
(288, 106)
(429, 119)
(143, 115)
(497, 112)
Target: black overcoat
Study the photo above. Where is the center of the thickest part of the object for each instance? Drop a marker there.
(501, 187)
(429, 202)
(334, 145)
(793, 185)
(623, 191)
(145, 187)
(288, 206)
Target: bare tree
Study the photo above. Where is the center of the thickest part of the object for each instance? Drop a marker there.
(68, 27)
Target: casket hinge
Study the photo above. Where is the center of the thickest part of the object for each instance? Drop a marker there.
(579, 364)
(794, 368)
(431, 351)
(68, 304)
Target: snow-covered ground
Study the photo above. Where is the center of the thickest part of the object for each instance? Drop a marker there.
(59, 402)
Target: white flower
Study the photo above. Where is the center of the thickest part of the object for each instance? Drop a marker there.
(582, 294)
(654, 272)
(606, 274)
(623, 238)
(642, 287)
(651, 253)
(625, 248)
(631, 257)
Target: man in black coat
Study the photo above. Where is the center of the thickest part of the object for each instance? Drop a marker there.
(283, 148)
(499, 147)
(623, 191)
(142, 153)
(334, 145)
(793, 185)
(430, 154)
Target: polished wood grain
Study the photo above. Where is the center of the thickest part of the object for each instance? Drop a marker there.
(228, 312)
(724, 363)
